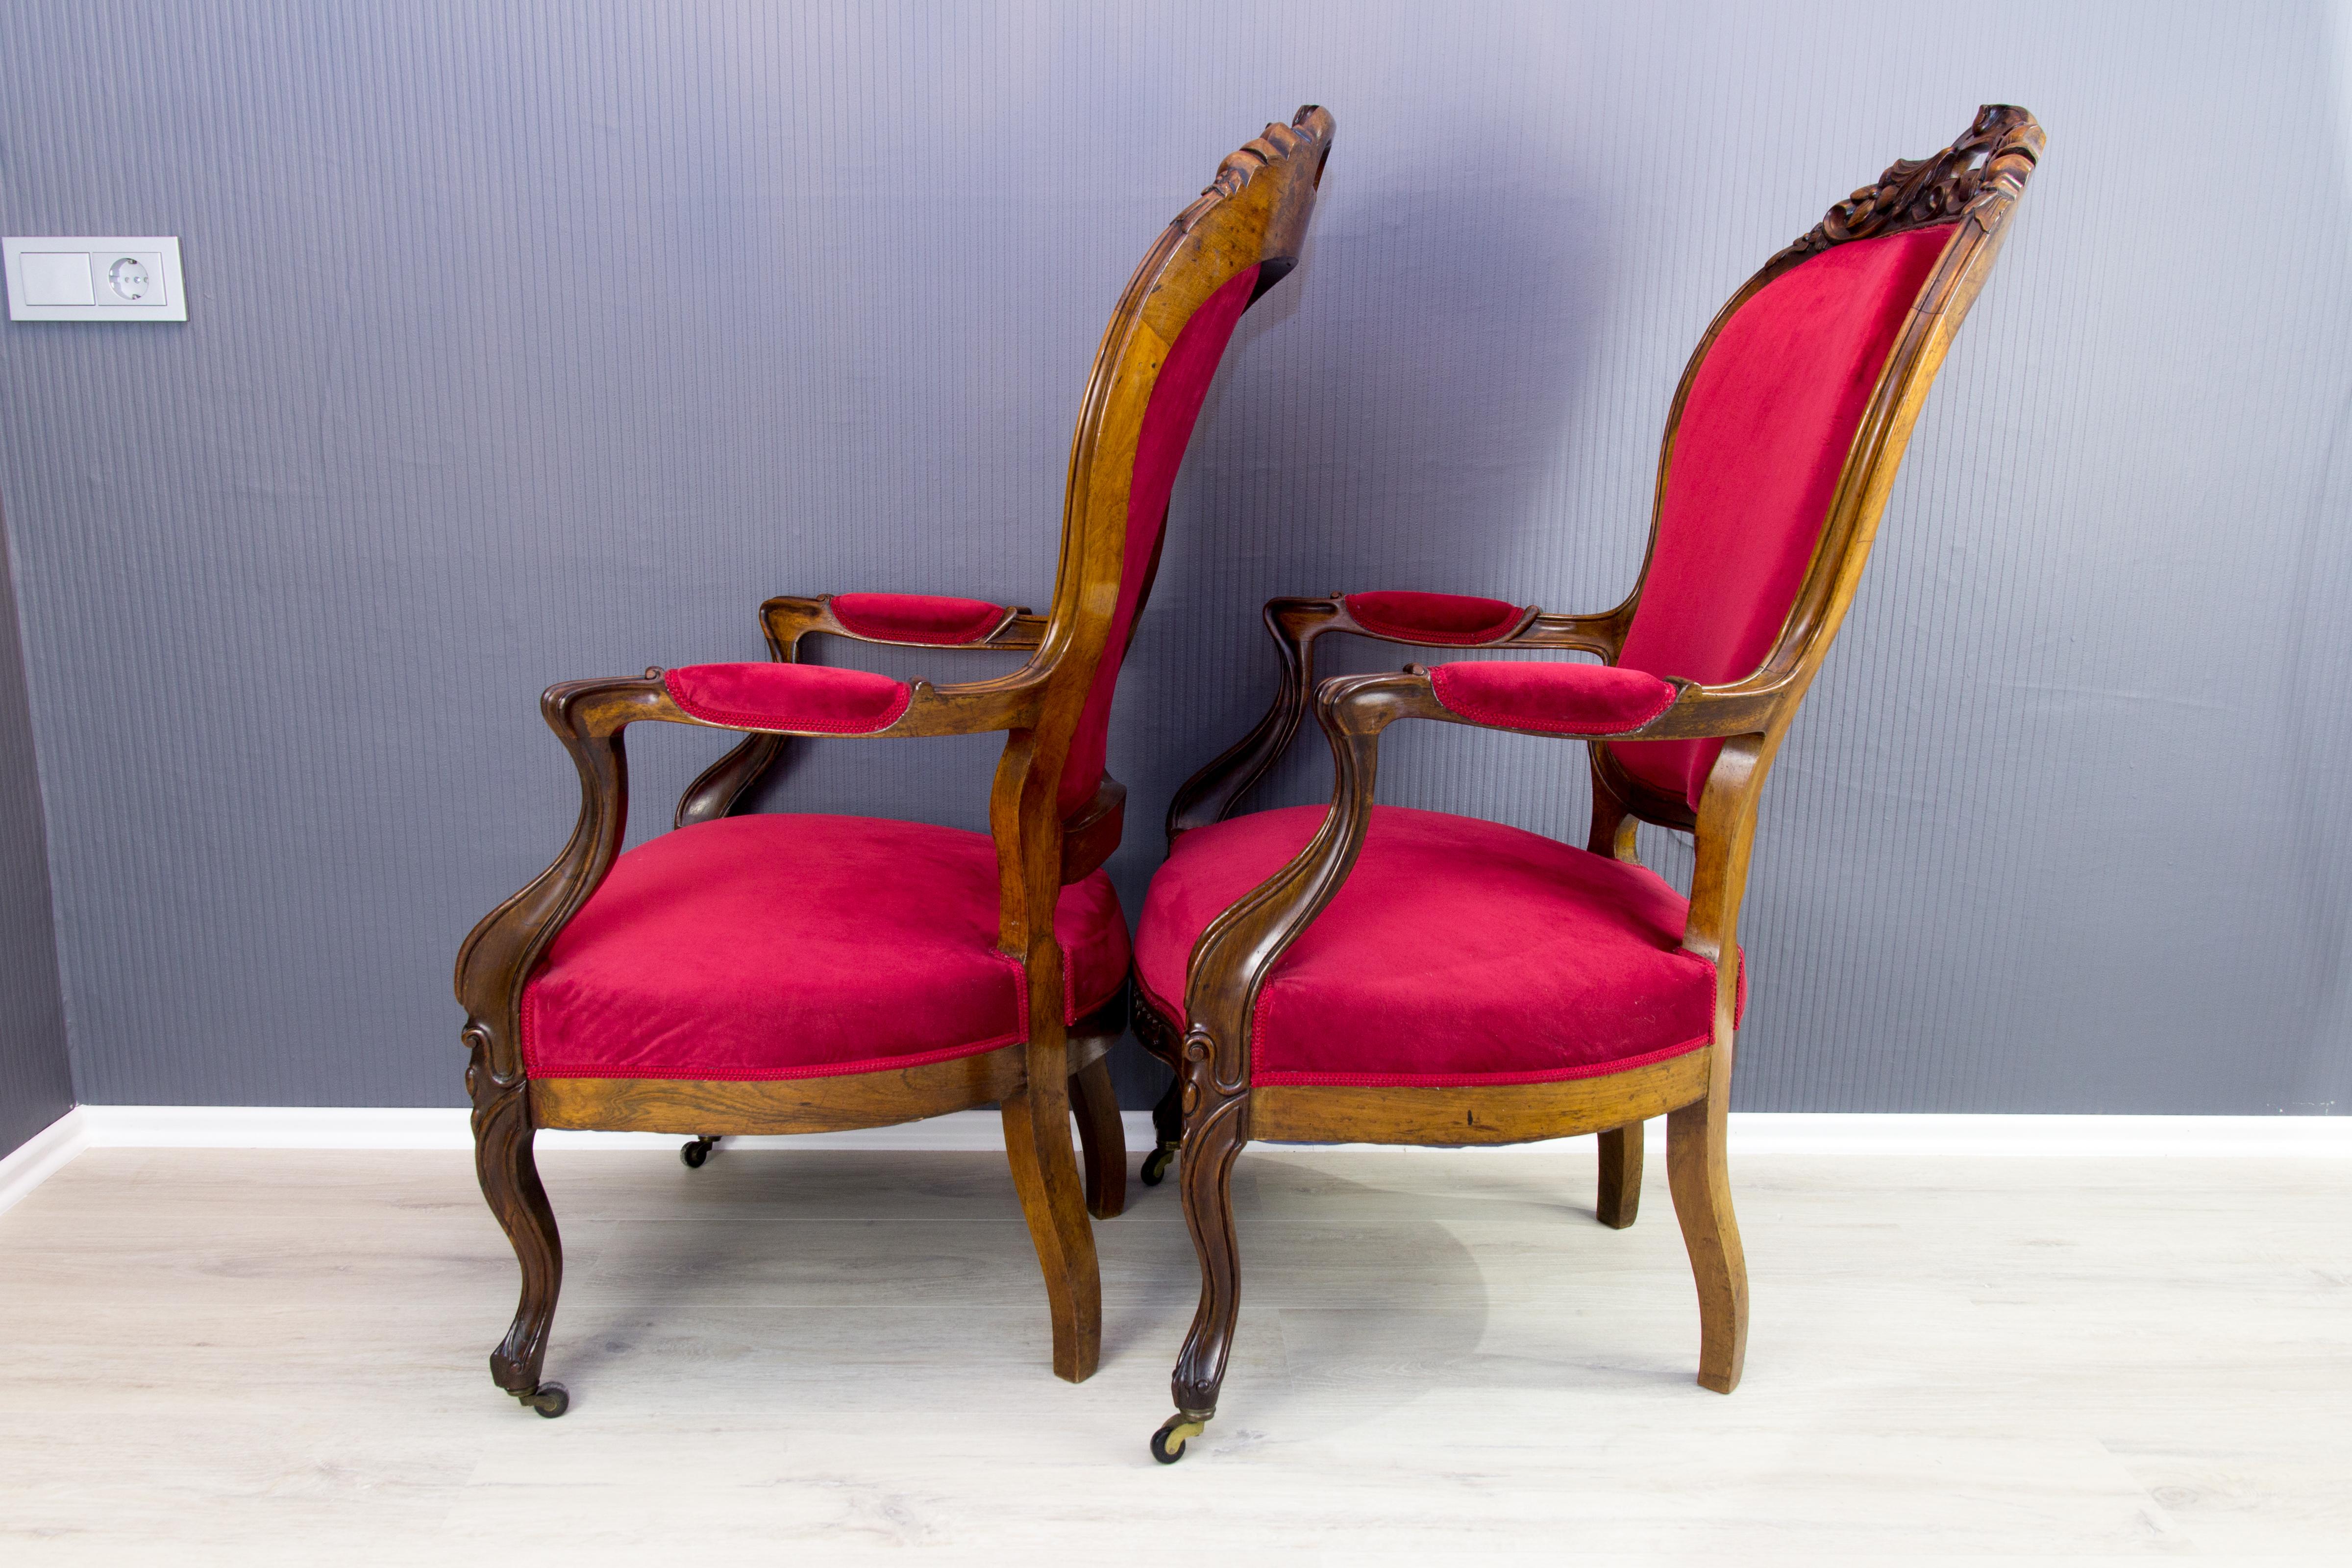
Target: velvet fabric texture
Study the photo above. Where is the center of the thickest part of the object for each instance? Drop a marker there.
(1770, 419)
(1168, 419)
(1458, 951)
(916, 617)
(804, 698)
(801, 946)
(1450, 620)
(1558, 699)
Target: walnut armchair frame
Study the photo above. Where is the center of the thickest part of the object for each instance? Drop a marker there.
(1972, 185)
(1254, 214)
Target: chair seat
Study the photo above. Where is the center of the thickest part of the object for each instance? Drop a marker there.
(1458, 951)
(790, 946)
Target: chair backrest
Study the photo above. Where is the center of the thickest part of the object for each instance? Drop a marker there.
(1157, 356)
(1788, 427)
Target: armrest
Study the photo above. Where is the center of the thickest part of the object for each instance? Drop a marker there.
(1581, 701)
(1460, 620)
(903, 620)
(1436, 620)
(1551, 699)
(802, 698)
(899, 620)
(1423, 620)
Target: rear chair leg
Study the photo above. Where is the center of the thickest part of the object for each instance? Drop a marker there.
(1168, 1125)
(1102, 1139)
(1620, 1176)
(1702, 1189)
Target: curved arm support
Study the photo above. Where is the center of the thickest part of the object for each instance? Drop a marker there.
(1216, 790)
(588, 717)
(1213, 793)
(1233, 955)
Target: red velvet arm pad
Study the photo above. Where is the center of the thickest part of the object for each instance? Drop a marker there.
(808, 698)
(916, 617)
(1446, 620)
(1558, 698)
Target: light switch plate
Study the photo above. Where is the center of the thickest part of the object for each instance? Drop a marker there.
(103, 277)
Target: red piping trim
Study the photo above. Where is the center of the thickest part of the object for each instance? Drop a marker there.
(733, 720)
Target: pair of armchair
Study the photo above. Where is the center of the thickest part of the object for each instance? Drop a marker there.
(1355, 974)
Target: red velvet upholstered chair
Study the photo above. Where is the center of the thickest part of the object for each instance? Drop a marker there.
(1368, 973)
(763, 974)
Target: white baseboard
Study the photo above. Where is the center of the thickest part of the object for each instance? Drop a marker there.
(1753, 1133)
(41, 1156)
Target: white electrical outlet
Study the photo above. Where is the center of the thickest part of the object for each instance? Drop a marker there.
(94, 279)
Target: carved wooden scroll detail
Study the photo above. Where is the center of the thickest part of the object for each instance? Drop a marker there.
(1986, 165)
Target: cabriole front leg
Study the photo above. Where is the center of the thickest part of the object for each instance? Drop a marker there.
(1216, 1126)
(510, 1178)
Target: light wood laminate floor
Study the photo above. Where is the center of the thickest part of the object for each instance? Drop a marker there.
(825, 1356)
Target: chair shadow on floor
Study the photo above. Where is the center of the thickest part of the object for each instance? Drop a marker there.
(1420, 1275)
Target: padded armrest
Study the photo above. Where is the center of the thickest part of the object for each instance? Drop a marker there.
(1558, 699)
(1445, 620)
(916, 617)
(808, 698)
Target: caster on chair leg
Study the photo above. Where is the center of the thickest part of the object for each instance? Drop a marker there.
(697, 1150)
(1168, 1443)
(549, 1399)
(1155, 1163)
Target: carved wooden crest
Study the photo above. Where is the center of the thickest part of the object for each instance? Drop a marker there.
(1986, 165)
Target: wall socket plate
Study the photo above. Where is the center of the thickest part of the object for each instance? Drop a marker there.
(104, 278)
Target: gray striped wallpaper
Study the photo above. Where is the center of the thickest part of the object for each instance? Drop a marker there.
(536, 340)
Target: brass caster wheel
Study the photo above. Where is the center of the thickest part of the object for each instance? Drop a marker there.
(549, 1399)
(1155, 1163)
(697, 1150)
(1168, 1443)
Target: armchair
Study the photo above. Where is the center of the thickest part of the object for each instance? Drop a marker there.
(1371, 973)
(773, 973)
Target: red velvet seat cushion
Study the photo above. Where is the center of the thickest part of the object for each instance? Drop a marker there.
(801, 946)
(807, 698)
(1449, 620)
(916, 617)
(1458, 951)
(1560, 698)
(1764, 434)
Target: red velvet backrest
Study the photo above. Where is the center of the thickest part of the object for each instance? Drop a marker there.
(1167, 429)
(1764, 434)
